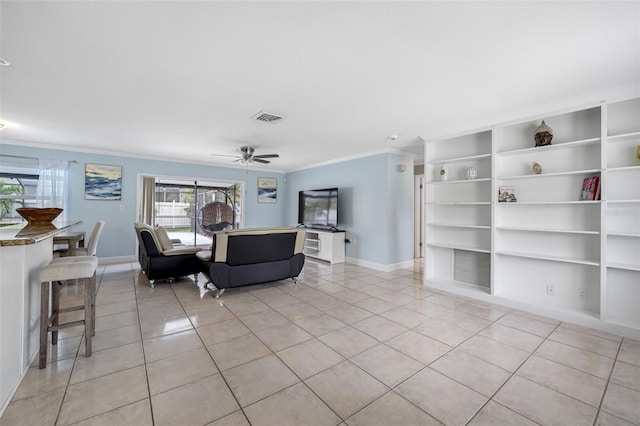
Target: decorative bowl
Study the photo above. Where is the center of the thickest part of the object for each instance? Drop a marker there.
(39, 215)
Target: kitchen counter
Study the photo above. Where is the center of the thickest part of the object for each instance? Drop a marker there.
(22, 233)
(24, 249)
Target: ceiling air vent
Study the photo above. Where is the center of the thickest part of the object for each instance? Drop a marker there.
(267, 117)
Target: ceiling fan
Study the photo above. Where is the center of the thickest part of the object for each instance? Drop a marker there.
(247, 156)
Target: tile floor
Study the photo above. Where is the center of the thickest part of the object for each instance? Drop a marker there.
(347, 345)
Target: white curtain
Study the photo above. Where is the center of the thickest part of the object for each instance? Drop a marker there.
(53, 185)
(148, 200)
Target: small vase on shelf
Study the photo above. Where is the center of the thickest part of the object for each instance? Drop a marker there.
(472, 173)
(443, 173)
(536, 168)
(543, 135)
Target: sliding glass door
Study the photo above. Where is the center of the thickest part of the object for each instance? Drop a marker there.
(191, 211)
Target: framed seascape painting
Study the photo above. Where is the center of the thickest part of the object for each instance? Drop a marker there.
(102, 182)
(267, 190)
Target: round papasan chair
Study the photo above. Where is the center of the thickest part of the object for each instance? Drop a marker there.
(215, 217)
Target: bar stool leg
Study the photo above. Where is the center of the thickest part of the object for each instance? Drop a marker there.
(93, 304)
(44, 323)
(55, 310)
(88, 315)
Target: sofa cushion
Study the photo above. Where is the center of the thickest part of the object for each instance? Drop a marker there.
(249, 249)
(221, 240)
(163, 238)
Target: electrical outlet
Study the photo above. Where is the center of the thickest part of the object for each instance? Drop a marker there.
(583, 293)
(121, 207)
(551, 290)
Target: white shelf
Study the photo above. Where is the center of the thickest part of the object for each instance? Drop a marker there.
(623, 234)
(550, 258)
(462, 203)
(623, 169)
(625, 266)
(460, 159)
(546, 175)
(459, 181)
(457, 247)
(623, 201)
(447, 225)
(547, 148)
(624, 137)
(551, 203)
(549, 230)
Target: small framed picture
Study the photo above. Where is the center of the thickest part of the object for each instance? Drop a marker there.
(267, 190)
(507, 194)
(102, 182)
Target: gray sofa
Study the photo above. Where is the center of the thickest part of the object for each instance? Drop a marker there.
(242, 257)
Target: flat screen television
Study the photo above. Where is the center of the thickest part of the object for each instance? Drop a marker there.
(318, 208)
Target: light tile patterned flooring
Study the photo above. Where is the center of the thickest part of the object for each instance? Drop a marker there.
(347, 345)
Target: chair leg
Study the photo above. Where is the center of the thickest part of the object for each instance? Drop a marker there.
(44, 323)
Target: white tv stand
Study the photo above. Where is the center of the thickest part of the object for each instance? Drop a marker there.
(325, 245)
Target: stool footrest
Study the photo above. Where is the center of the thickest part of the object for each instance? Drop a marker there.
(71, 309)
(66, 325)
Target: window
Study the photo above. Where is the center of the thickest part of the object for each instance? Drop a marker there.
(18, 188)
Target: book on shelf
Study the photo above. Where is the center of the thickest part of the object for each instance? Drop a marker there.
(507, 194)
(590, 188)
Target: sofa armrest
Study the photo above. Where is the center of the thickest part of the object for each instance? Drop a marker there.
(180, 251)
(204, 255)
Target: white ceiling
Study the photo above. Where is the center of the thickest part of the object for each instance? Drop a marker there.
(181, 79)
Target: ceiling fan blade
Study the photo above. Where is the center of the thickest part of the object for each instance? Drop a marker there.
(260, 160)
(267, 156)
(237, 159)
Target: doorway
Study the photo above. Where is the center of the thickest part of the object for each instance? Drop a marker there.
(418, 217)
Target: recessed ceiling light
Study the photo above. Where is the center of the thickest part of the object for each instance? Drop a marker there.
(4, 62)
(392, 137)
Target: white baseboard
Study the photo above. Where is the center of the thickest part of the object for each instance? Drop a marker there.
(483, 294)
(380, 266)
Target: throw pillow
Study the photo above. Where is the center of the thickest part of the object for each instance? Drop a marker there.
(163, 238)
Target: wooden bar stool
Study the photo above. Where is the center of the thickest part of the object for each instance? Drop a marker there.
(63, 269)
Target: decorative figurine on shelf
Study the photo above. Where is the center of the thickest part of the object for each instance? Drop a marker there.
(536, 168)
(638, 154)
(543, 134)
(472, 173)
(443, 173)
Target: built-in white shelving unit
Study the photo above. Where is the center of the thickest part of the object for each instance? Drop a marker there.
(459, 208)
(621, 289)
(550, 248)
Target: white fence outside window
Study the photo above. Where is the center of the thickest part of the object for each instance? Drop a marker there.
(172, 215)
